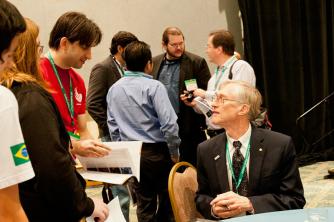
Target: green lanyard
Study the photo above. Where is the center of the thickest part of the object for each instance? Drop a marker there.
(118, 66)
(134, 74)
(243, 169)
(218, 77)
(70, 105)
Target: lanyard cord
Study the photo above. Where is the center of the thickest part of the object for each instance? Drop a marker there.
(69, 104)
(220, 74)
(243, 169)
(119, 67)
(135, 74)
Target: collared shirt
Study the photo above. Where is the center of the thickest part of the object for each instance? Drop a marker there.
(244, 140)
(139, 109)
(119, 66)
(170, 76)
(241, 71)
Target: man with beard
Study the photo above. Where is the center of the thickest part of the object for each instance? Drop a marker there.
(172, 68)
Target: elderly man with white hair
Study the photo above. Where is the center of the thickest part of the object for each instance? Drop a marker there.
(245, 170)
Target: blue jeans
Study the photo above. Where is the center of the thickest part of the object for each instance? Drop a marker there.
(120, 190)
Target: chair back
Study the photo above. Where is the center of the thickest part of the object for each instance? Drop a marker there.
(182, 187)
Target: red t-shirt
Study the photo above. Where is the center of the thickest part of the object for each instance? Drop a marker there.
(79, 92)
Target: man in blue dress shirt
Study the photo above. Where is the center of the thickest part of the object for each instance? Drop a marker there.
(139, 109)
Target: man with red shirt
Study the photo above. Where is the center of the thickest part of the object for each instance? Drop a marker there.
(70, 43)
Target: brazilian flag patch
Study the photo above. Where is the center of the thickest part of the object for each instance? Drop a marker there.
(20, 154)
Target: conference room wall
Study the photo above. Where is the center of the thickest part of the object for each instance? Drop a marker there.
(145, 18)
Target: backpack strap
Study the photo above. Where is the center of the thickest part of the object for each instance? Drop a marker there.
(230, 75)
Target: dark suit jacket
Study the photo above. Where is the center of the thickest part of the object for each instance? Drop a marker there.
(274, 180)
(102, 77)
(191, 67)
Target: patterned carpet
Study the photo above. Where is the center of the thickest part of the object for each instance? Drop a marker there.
(319, 192)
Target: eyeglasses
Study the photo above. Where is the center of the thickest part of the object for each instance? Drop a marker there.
(176, 45)
(40, 49)
(218, 98)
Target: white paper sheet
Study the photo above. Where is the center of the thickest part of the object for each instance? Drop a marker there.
(112, 178)
(203, 106)
(115, 212)
(123, 154)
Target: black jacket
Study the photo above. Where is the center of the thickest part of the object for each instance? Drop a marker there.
(191, 67)
(57, 192)
(191, 124)
(102, 77)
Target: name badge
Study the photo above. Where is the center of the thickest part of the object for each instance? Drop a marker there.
(191, 84)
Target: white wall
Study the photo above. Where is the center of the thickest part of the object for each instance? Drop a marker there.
(145, 18)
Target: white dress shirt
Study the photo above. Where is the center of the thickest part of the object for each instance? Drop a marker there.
(241, 71)
(244, 140)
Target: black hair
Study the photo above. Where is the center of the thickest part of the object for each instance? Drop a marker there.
(121, 38)
(11, 24)
(136, 55)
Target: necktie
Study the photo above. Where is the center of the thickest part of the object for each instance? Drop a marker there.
(237, 162)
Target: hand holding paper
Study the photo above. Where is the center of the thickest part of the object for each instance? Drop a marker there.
(203, 106)
(89, 148)
(101, 211)
(123, 154)
(115, 212)
(200, 93)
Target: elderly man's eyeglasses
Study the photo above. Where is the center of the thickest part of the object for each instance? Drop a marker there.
(176, 45)
(218, 98)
